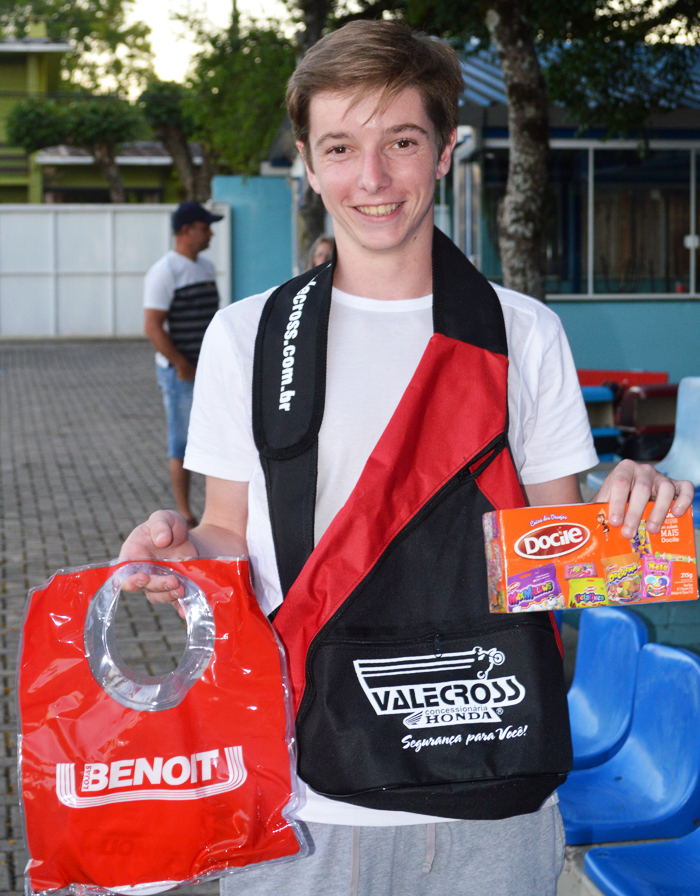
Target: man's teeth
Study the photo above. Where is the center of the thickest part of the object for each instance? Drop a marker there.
(378, 209)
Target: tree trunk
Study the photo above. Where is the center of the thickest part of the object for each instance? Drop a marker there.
(174, 140)
(521, 215)
(315, 13)
(312, 213)
(203, 176)
(103, 153)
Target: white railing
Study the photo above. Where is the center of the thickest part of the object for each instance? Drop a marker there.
(77, 270)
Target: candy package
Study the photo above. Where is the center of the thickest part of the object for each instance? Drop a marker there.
(532, 551)
(132, 783)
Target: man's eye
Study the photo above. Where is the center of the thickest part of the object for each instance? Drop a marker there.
(404, 143)
(337, 150)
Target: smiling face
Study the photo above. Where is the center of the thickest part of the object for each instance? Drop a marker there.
(376, 172)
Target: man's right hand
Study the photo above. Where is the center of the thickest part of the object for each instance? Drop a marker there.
(164, 536)
(184, 370)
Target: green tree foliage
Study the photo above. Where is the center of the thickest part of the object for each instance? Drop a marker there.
(163, 107)
(235, 96)
(609, 63)
(108, 52)
(97, 124)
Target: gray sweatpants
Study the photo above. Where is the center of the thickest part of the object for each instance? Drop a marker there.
(521, 856)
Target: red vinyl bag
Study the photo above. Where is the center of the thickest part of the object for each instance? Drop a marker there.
(137, 783)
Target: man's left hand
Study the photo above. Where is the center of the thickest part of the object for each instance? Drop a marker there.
(632, 485)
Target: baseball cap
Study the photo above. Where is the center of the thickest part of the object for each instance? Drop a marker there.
(188, 212)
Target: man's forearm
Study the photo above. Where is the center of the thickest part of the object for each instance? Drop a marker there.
(162, 343)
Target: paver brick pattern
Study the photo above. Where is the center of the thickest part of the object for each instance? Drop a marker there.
(82, 461)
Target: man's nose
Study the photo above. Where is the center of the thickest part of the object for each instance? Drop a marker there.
(374, 174)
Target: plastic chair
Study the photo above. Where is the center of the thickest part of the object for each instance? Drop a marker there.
(602, 692)
(651, 787)
(683, 460)
(671, 868)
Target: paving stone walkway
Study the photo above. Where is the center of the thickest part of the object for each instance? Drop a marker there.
(82, 461)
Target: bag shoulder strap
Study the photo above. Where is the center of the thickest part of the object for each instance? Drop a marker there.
(289, 382)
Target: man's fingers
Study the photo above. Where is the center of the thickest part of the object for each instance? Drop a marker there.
(664, 491)
(158, 589)
(627, 482)
(164, 529)
(629, 488)
(163, 536)
(685, 492)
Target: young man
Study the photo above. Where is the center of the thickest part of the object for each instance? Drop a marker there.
(403, 380)
(180, 299)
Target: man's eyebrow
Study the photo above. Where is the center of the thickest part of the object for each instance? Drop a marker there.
(409, 126)
(324, 138)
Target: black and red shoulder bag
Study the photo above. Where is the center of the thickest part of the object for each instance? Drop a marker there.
(409, 695)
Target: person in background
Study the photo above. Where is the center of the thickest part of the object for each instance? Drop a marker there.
(180, 299)
(321, 250)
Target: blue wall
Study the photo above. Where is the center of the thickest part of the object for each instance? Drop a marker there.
(261, 231)
(632, 335)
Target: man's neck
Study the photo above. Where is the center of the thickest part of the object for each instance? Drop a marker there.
(187, 251)
(389, 276)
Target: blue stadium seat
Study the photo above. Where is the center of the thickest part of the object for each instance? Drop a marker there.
(602, 692)
(650, 788)
(669, 868)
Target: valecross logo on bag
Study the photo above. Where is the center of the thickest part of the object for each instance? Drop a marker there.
(553, 540)
(432, 692)
(176, 778)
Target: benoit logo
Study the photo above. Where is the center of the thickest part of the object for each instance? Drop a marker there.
(132, 772)
(553, 540)
(178, 778)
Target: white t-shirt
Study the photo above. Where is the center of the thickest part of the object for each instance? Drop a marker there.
(374, 347)
(171, 272)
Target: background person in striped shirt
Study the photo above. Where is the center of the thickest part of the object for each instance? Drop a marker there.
(180, 299)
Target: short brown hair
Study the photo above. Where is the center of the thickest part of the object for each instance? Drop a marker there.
(379, 55)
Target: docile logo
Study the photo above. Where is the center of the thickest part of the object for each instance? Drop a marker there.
(553, 540)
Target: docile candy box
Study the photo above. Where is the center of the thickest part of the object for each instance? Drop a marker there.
(570, 557)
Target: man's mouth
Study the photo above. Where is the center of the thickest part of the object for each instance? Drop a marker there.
(377, 210)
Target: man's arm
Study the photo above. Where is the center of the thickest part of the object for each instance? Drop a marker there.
(629, 485)
(153, 322)
(165, 536)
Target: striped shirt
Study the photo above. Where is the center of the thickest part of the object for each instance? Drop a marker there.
(186, 291)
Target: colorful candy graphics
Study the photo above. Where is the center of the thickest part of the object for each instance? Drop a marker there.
(536, 589)
(623, 578)
(640, 543)
(579, 570)
(494, 562)
(657, 576)
(587, 592)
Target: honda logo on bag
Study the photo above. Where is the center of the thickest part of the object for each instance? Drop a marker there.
(553, 540)
(431, 692)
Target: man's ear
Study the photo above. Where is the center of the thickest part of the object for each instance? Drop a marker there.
(445, 158)
(304, 153)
